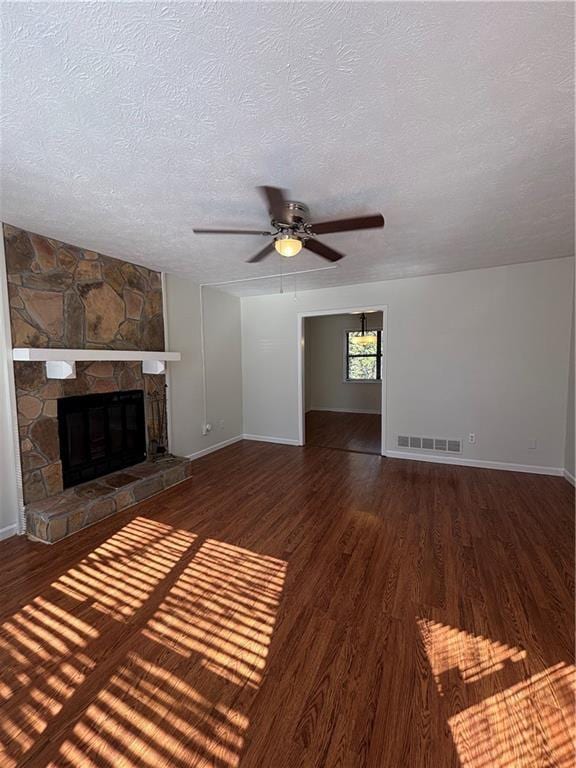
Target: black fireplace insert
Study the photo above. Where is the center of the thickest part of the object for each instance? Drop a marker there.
(100, 434)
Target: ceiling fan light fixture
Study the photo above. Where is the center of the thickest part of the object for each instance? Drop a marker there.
(288, 245)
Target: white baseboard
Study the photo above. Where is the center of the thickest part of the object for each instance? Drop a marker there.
(343, 410)
(213, 448)
(9, 530)
(480, 463)
(267, 439)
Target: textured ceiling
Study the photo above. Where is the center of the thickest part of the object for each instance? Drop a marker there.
(126, 124)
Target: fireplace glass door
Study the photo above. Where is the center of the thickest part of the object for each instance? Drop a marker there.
(100, 434)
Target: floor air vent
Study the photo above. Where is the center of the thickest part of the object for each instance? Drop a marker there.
(430, 444)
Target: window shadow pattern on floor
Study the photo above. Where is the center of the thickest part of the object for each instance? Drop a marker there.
(527, 723)
(82, 693)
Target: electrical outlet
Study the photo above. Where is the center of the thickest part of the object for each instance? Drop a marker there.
(206, 428)
(532, 444)
(472, 438)
(221, 424)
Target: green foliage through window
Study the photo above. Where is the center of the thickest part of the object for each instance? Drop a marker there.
(363, 361)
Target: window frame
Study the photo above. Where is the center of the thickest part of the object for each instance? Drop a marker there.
(377, 355)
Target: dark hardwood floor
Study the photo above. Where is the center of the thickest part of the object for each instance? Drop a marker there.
(291, 607)
(359, 432)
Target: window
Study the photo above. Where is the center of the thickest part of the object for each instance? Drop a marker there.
(363, 361)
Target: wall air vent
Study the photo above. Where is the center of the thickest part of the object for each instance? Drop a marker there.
(430, 444)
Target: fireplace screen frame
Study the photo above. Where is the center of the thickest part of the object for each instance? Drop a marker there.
(101, 447)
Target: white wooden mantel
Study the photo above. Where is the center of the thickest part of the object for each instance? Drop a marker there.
(61, 363)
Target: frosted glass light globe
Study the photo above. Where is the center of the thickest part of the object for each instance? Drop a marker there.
(288, 246)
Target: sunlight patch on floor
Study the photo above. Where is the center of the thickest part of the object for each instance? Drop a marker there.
(499, 715)
(118, 577)
(472, 656)
(214, 615)
(511, 728)
(223, 607)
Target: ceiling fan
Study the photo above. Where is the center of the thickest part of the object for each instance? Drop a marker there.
(292, 229)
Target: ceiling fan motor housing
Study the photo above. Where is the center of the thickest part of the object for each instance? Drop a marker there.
(295, 214)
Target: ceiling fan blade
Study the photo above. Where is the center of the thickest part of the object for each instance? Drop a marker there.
(261, 254)
(230, 232)
(346, 225)
(275, 200)
(323, 250)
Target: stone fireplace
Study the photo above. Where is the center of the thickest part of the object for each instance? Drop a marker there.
(63, 296)
(37, 402)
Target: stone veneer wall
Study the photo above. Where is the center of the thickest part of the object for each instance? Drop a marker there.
(67, 297)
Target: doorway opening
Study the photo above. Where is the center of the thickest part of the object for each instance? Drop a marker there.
(343, 380)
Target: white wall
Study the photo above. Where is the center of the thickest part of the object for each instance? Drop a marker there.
(326, 387)
(483, 351)
(223, 365)
(570, 459)
(10, 494)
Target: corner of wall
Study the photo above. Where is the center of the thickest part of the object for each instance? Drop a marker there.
(569, 450)
(197, 317)
(12, 519)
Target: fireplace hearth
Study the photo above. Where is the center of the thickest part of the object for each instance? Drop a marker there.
(100, 433)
